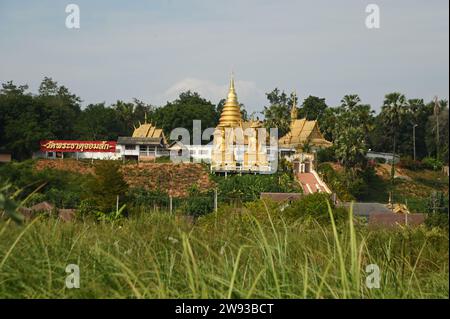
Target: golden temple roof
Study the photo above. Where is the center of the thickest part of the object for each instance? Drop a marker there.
(148, 130)
(231, 113)
(304, 131)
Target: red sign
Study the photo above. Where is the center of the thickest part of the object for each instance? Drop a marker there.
(78, 146)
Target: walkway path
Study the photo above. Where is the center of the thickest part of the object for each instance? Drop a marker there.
(310, 184)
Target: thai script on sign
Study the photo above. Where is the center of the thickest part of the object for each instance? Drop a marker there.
(78, 146)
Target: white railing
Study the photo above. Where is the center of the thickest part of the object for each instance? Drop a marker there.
(321, 182)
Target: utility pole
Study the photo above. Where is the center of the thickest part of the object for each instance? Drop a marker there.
(393, 171)
(215, 200)
(414, 140)
(436, 114)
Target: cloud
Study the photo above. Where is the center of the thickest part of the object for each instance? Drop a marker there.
(246, 90)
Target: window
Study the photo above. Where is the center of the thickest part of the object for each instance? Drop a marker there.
(130, 147)
(192, 152)
(143, 149)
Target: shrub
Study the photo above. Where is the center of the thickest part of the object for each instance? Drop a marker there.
(249, 187)
(380, 160)
(326, 155)
(163, 159)
(336, 181)
(314, 206)
(437, 219)
(432, 163)
(409, 163)
(437, 209)
(141, 197)
(198, 204)
(108, 183)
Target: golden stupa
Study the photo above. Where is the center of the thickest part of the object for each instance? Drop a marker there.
(238, 146)
(231, 113)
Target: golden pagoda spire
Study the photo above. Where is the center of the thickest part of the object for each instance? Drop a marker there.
(231, 113)
(294, 110)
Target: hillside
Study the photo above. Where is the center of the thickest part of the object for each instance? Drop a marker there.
(175, 179)
(411, 187)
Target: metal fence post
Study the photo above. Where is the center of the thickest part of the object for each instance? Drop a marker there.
(215, 200)
(170, 204)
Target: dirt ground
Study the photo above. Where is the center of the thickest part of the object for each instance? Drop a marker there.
(176, 179)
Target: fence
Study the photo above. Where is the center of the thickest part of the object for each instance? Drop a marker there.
(193, 204)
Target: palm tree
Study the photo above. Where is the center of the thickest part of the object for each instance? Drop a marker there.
(350, 101)
(350, 147)
(393, 112)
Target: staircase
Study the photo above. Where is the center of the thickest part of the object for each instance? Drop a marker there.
(312, 183)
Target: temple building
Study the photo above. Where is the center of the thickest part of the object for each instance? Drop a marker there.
(300, 144)
(146, 144)
(303, 134)
(238, 146)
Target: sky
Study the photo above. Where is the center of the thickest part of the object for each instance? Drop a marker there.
(153, 50)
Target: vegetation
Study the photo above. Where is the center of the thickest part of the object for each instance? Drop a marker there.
(107, 187)
(248, 187)
(248, 248)
(255, 252)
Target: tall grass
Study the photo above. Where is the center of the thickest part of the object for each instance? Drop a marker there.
(250, 253)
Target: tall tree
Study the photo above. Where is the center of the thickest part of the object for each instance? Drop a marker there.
(437, 132)
(353, 123)
(98, 122)
(313, 108)
(23, 121)
(278, 113)
(393, 114)
(180, 113)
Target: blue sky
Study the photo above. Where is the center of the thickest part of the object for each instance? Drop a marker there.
(152, 50)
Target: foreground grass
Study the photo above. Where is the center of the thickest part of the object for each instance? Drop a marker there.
(250, 253)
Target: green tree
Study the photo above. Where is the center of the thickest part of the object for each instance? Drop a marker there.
(353, 122)
(180, 113)
(313, 108)
(22, 121)
(439, 122)
(393, 114)
(98, 122)
(328, 123)
(61, 108)
(106, 185)
(278, 113)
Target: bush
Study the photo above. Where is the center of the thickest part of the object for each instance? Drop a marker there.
(61, 188)
(437, 209)
(336, 181)
(198, 204)
(409, 163)
(314, 206)
(326, 155)
(437, 219)
(141, 197)
(108, 183)
(432, 163)
(248, 187)
(380, 160)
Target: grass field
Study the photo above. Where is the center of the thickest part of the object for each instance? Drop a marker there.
(255, 252)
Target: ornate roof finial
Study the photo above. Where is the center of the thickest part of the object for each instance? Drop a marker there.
(294, 110)
(145, 118)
